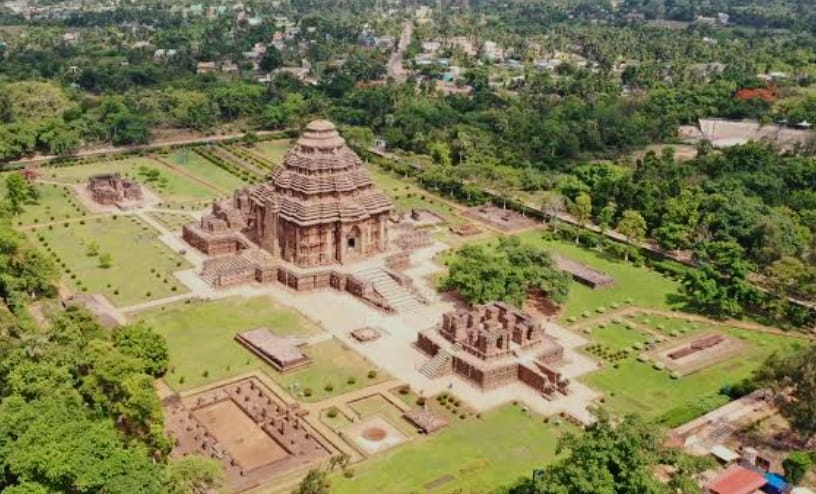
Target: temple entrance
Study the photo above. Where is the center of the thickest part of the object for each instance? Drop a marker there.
(353, 240)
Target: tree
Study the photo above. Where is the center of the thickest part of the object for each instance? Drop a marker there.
(796, 466)
(194, 475)
(92, 249)
(582, 211)
(105, 260)
(507, 274)
(271, 59)
(316, 481)
(606, 216)
(553, 207)
(138, 340)
(610, 457)
(793, 377)
(18, 192)
(633, 227)
(719, 286)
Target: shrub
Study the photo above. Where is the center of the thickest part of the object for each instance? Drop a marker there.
(307, 392)
(329, 387)
(351, 380)
(332, 412)
(205, 374)
(404, 389)
(348, 473)
(372, 374)
(659, 365)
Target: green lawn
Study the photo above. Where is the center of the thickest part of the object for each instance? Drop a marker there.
(377, 405)
(205, 170)
(273, 150)
(56, 202)
(335, 369)
(644, 287)
(493, 450)
(171, 186)
(202, 347)
(638, 387)
(142, 266)
(200, 336)
(172, 220)
(618, 336)
(407, 195)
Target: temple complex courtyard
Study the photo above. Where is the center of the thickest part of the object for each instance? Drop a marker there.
(348, 301)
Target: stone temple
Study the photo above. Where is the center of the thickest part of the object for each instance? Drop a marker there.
(317, 222)
(491, 346)
(320, 208)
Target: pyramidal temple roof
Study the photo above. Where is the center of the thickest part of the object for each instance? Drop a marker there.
(322, 180)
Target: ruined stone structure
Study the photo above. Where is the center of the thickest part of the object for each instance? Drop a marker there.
(281, 352)
(493, 345)
(110, 188)
(319, 208)
(252, 432)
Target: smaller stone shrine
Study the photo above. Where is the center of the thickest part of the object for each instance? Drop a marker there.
(111, 189)
(491, 346)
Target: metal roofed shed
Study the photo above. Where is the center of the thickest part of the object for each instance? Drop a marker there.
(737, 480)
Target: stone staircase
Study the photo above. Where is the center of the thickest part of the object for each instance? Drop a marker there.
(433, 368)
(396, 296)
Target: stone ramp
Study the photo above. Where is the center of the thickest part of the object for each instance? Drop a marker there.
(396, 296)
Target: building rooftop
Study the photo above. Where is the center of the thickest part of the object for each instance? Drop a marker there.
(737, 480)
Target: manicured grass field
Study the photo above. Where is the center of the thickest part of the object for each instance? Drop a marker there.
(407, 195)
(171, 186)
(646, 288)
(171, 220)
(335, 369)
(200, 336)
(203, 350)
(55, 203)
(205, 170)
(493, 450)
(377, 405)
(273, 150)
(618, 336)
(638, 387)
(141, 267)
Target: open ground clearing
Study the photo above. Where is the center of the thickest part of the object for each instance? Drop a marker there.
(55, 202)
(273, 150)
(171, 186)
(197, 165)
(142, 267)
(638, 387)
(200, 336)
(492, 450)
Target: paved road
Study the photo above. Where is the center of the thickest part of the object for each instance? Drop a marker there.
(395, 69)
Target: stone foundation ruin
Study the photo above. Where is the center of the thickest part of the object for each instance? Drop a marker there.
(584, 274)
(491, 346)
(254, 434)
(281, 352)
(110, 189)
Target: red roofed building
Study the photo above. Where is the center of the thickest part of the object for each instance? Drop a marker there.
(736, 480)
